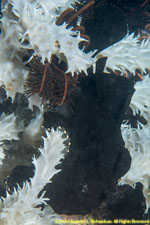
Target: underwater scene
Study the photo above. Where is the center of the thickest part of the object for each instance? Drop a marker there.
(74, 112)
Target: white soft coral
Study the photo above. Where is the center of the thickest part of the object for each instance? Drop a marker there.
(12, 71)
(48, 7)
(37, 19)
(127, 55)
(140, 102)
(137, 141)
(12, 76)
(21, 207)
(9, 130)
(8, 127)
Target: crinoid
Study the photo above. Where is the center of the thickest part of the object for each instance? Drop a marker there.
(51, 82)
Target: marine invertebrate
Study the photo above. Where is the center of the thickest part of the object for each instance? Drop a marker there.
(12, 71)
(127, 55)
(46, 79)
(57, 42)
(140, 100)
(40, 27)
(23, 206)
(51, 82)
(34, 130)
(8, 127)
(9, 131)
(37, 23)
(69, 15)
(137, 140)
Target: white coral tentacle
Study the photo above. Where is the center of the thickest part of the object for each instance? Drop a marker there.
(137, 141)
(127, 54)
(21, 207)
(8, 127)
(140, 102)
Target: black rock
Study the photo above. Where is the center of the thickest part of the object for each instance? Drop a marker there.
(97, 155)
